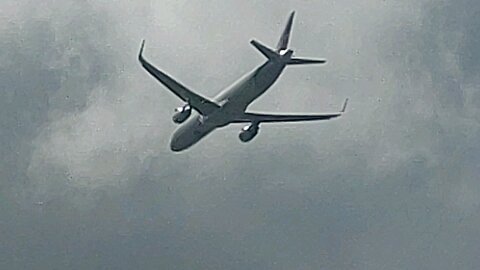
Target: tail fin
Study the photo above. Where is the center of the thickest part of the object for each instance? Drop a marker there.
(282, 53)
(285, 37)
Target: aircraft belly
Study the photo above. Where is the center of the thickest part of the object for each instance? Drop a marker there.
(261, 82)
(235, 100)
(251, 86)
(257, 84)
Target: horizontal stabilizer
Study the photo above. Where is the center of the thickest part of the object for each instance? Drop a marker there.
(302, 61)
(269, 53)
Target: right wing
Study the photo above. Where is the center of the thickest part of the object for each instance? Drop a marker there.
(203, 105)
(269, 118)
(266, 118)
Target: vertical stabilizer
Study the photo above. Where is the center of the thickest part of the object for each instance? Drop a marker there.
(283, 42)
(281, 52)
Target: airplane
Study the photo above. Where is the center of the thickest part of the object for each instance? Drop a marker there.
(230, 105)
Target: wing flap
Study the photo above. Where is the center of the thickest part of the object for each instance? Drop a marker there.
(201, 104)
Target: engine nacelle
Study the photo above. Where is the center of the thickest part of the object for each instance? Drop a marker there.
(248, 132)
(182, 114)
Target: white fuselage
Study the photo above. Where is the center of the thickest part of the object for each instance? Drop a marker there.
(233, 101)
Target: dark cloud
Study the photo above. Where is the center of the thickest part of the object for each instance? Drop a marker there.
(88, 180)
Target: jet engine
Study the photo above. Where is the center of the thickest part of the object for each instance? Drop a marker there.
(181, 114)
(248, 132)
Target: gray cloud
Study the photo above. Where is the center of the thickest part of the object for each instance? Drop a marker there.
(85, 132)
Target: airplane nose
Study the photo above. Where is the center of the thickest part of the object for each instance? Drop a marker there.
(175, 146)
(183, 137)
(178, 143)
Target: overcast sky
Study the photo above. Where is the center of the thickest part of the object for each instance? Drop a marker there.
(87, 180)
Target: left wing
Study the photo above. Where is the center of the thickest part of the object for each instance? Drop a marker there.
(201, 104)
(260, 117)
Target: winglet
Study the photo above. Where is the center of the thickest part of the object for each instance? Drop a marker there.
(344, 107)
(140, 56)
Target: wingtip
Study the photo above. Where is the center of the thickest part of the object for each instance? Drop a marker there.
(344, 107)
(140, 54)
(290, 19)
